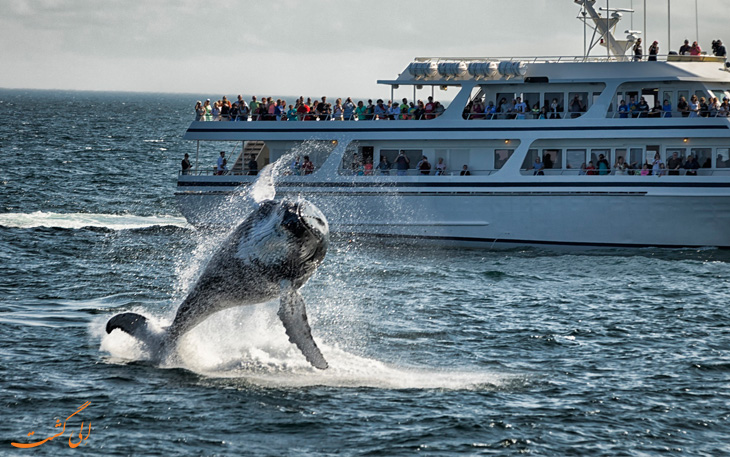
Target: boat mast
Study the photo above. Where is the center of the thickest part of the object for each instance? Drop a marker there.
(603, 27)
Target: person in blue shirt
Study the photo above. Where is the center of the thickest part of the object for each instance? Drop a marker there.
(667, 109)
(623, 110)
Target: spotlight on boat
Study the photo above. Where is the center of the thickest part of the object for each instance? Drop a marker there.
(444, 87)
(506, 141)
(685, 140)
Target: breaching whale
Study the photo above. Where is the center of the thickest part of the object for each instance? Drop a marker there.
(272, 253)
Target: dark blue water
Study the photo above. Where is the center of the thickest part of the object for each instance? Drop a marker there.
(432, 351)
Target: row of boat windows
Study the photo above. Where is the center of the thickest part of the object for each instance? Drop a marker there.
(498, 104)
(634, 158)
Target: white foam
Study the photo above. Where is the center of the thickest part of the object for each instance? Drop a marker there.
(80, 220)
(249, 344)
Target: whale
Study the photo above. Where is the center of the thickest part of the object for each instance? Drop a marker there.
(271, 254)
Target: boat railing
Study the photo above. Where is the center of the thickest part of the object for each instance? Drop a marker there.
(633, 172)
(328, 117)
(575, 59)
(666, 114)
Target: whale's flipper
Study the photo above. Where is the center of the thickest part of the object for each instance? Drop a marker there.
(137, 326)
(294, 316)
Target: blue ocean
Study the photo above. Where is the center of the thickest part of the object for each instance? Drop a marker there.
(432, 351)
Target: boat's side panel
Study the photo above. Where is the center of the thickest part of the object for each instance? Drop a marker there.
(611, 219)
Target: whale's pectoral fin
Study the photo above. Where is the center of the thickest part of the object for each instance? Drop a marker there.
(294, 316)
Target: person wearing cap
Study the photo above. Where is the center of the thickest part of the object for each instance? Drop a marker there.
(638, 51)
(199, 111)
(653, 51)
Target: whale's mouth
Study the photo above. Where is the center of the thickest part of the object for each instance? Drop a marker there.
(302, 217)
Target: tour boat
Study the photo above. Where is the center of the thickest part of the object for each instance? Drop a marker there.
(574, 195)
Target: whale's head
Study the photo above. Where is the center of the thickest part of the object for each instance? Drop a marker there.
(287, 237)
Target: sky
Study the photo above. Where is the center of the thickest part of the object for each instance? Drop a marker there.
(289, 47)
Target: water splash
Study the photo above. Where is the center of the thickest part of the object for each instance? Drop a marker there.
(81, 220)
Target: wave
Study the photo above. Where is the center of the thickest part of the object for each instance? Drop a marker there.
(82, 220)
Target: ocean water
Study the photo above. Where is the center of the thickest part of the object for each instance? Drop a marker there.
(432, 351)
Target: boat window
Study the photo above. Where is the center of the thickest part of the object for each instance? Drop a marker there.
(576, 159)
(704, 156)
(501, 156)
(680, 152)
(723, 158)
(532, 154)
(552, 158)
(668, 95)
(635, 157)
(531, 99)
(683, 93)
(701, 93)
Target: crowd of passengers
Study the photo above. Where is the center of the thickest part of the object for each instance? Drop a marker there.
(518, 109)
(675, 165)
(268, 109)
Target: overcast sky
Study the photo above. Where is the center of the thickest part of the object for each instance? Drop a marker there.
(306, 47)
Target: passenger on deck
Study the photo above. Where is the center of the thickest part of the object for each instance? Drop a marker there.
(657, 110)
(547, 161)
(307, 166)
(440, 167)
(655, 164)
(296, 166)
(620, 166)
(520, 108)
(254, 105)
(199, 111)
(719, 163)
(684, 49)
(370, 111)
(302, 112)
(185, 164)
(603, 167)
(538, 167)
(348, 109)
(554, 109)
(225, 109)
(720, 50)
(234, 112)
(208, 110)
(674, 164)
(428, 109)
(695, 50)
(576, 107)
(691, 165)
(380, 111)
(653, 51)
(338, 112)
(424, 166)
(590, 169)
(402, 163)
(704, 107)
(216, 111)
(438, 109)
(623, 110)
(694, 106)
(360, 111)
(645, 170)
(638, 51)
(642, 107)
(633, 107)
(490, 110)
(394, 111)
(465, 171)
(253, 167)
(222, 162)
(368, 167)
(383, 165)
(683, 106)
(291, 114)
(667, 109)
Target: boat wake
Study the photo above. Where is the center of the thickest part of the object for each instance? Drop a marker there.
(248, 346)
(82, 220)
